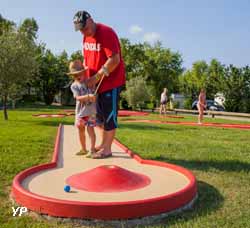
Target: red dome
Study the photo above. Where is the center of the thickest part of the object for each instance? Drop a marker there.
(108, 178)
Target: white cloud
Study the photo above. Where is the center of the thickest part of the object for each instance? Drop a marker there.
(135, 29)
(151, 37)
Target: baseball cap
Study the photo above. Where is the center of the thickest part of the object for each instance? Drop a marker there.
(80, 19)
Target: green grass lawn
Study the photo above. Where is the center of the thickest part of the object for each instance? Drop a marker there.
(219, 158)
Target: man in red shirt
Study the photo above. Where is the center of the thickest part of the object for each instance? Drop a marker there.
(102, 56)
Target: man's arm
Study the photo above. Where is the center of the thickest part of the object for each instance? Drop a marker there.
(109, 66)
(111, 63)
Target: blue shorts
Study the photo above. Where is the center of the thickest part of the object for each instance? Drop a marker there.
(107, 108)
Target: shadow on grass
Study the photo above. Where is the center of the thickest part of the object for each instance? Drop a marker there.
(209, 200)
(55, 123)
(145, 127)
(47, 122)
(231, 166)
(41, 107)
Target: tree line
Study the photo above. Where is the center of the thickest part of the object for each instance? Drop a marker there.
(27, 67)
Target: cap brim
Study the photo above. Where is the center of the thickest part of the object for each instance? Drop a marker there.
(76, 72)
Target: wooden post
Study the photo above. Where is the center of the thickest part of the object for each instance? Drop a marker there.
(5, 107)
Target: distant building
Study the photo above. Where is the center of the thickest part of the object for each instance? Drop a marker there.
(65, 96)
(177, 100)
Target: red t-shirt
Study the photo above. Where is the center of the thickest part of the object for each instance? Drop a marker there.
(96, 51)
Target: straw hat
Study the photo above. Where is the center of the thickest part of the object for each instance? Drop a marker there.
(76, 67)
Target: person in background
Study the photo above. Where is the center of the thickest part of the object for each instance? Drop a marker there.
(164, 99)
(201, 105)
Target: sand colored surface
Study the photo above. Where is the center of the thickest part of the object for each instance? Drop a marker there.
(50, 183)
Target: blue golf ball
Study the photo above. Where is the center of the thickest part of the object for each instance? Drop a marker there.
(67, 188)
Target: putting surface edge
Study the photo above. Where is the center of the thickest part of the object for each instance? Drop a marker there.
(103, 210)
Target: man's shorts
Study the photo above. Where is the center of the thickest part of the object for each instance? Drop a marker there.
(163, 102)
(107, 108)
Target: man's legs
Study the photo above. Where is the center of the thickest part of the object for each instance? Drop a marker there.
(108, 137)
(101, 129)
(107, 110)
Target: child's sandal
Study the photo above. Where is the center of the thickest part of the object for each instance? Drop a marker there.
(81, 152)
(89, 155)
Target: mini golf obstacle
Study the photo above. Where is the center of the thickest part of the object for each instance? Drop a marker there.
(125, 113)
(171, 117)
(220, 125)
(56, 115)
(70, 112)
(123, 186)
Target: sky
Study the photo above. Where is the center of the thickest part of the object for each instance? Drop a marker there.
(198, 30)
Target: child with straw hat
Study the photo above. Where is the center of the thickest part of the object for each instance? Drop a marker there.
(85, 107)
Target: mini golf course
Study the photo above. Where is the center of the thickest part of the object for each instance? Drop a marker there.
(121, 187)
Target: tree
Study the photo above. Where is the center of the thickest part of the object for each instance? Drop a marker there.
(52, 74)
(163, 68)
(30, 27)
(6, 25)
(136, 92)
(215, 78)
(246, 89)
(76, 55)
(237, 89)
(202, 75)
(159, 66)
(193, 80)
(232, 82)
(17, 64)
(135, 59)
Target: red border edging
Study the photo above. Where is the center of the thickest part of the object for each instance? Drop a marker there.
(50, 115)
(173, 116)
(102, 210)
(126, 113)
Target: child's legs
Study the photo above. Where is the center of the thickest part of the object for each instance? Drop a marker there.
(200, 109)
(81, 131)
(92, 137)
(161, 108)
(202, 113)
(164, 108)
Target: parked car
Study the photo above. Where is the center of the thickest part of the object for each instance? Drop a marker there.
(211, 105)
